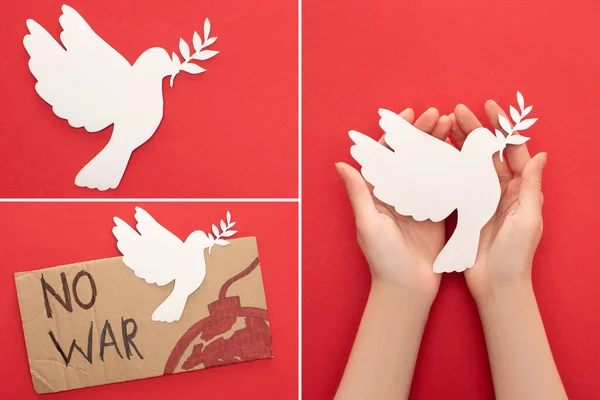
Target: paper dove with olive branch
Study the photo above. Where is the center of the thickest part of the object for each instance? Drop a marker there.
(426, 178)
(159, 257)
(91, 85)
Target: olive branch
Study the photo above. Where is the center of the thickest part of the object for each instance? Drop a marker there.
(520, 124)
(226, 232)
(199, 54)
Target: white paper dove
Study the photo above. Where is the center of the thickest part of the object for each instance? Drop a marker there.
(92, 86)
(426, 178)
(158, 256)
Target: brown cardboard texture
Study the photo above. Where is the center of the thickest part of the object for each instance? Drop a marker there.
(89, 323)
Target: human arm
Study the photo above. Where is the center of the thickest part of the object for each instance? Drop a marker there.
(500, 281)
(400, 252)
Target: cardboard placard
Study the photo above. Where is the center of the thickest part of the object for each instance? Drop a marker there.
(89, 323)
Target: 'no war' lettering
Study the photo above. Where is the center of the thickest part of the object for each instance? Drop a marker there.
(65, 300)
(107, 337)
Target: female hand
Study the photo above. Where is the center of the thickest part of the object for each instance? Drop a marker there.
(500, 282)
(399, 250)
(509, 240)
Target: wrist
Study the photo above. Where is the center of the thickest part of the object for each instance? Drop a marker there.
(506, 294)
(488, 283)
(418, 298)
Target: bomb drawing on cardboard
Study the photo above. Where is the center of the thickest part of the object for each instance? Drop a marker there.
(91, 85)
(159, 257)
(426, 178)
(215, 341)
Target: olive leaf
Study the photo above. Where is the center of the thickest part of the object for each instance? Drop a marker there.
(504, 123)
(520, 124)
(514, 114)
(517, 139)
(204, 55)
(192, 68)
(226, 232)
(520, 100)
(184, 49)
(210, 41)
(199, 53)
(206, 29)
(197, 42)
(526, 123)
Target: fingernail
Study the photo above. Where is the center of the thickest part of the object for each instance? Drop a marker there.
(460, 106)
(432, 110)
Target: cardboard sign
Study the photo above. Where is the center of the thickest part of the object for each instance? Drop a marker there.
(90, 323)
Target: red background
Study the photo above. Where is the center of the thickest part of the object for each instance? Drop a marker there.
(223, 131)
(359, 56)
(44, 235)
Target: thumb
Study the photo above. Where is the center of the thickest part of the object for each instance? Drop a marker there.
(530, 195)
(358, 192)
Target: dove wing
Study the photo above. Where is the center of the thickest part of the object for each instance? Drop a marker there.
(415, 175)
(153, 253)
(81, 83)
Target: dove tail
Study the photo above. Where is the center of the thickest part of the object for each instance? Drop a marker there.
(106, 169)
(461, 250)
(171, 309)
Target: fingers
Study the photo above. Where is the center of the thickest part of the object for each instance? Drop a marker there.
(442, 128)
(530, 195)
(358, 192)
(517, 155)
(457, 134)
(408, 114)
(466, 122)
(426, 122)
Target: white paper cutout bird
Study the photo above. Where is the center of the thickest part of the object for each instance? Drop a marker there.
(426, 178)
(92, 86)
(158, 256)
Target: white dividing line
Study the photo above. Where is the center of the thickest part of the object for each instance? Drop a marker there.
(299, 199)
(152, 200)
